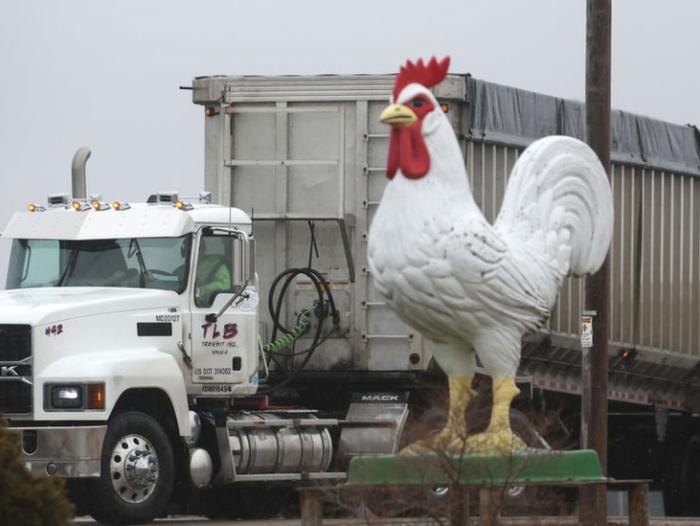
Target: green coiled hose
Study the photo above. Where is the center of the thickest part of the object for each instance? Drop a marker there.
(294, 360)
(303, 323)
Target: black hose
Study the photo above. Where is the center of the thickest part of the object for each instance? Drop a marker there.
(275, 302)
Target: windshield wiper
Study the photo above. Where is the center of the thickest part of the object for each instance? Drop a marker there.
(69, 267)
(135, 248)
(27, 259)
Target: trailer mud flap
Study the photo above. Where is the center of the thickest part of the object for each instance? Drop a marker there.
(373, 425)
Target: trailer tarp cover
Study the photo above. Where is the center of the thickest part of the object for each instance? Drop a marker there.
(517, 117)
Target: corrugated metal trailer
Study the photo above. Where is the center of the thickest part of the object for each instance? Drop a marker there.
(306, 154)
(655, 278)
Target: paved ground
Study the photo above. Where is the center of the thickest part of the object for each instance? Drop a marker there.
(510, 521)
(201, 521)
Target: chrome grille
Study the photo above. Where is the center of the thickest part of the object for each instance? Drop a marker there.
(15, 342)
(15, 398)
(16, 369)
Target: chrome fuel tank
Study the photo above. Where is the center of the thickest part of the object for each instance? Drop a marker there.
(263, 442)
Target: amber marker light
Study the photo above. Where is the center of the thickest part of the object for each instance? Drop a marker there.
(119, 205)
(445, 107)
(628, 354)
(77, 206)
(181, 205)
(31, 207)
(98, 205)
(96, 396)
(210, 111)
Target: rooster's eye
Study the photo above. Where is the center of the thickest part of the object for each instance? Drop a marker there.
(417, 103)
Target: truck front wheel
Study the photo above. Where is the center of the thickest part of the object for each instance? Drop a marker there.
(137, 471)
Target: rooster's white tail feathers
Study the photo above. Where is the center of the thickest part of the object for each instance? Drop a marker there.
(558, 201)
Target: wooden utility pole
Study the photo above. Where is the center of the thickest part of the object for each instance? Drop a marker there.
(593, 503)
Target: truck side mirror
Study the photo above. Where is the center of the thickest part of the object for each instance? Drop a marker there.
(251, 258)
(243, 264)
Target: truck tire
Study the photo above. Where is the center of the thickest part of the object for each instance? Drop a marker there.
(138, 471)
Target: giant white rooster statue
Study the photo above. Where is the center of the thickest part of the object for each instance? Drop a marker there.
(469, 286)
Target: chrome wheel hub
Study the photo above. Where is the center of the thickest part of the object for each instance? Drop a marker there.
(133, 468)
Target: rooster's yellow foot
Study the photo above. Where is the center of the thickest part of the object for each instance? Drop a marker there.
(501, 441)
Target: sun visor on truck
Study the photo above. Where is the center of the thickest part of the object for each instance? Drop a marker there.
(517, 117)
(146, 221)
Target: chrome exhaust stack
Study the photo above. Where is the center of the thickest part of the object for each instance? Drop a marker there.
(78, 178)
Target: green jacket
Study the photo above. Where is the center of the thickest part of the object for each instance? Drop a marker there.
(212, 276)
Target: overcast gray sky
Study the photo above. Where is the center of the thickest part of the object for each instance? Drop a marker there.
(106, 74)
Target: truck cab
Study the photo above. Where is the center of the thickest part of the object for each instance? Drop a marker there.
(106, 308)
(89, 277)
(127, 334)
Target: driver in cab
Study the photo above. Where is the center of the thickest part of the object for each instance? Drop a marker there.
(213, 273)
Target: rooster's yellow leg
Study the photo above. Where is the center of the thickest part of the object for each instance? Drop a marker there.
(498, 436)
(452, 436)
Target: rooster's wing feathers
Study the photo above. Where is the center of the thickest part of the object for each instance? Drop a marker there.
(461, 277)
(489, 266)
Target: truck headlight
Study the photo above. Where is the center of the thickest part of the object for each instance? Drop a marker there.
(71, 397)
(66, 397)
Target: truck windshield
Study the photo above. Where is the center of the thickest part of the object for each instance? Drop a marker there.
(152, 263)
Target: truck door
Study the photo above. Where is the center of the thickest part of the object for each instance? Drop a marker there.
(224, 313)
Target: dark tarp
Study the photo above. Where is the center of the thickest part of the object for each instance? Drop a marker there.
(517, 117)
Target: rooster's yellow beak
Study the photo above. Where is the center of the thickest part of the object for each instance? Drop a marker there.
(398, 116)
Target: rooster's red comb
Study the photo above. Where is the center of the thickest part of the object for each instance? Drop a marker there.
(427, 76)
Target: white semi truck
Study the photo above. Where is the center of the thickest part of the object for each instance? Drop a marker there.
(132, 361)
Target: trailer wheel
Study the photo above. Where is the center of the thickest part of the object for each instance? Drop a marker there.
(138, 471)
(688, 474)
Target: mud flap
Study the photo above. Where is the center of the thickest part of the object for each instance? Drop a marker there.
(373, 425)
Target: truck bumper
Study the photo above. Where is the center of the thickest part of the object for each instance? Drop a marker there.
(62, 451)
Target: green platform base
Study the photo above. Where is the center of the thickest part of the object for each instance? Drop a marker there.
(491, 470)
